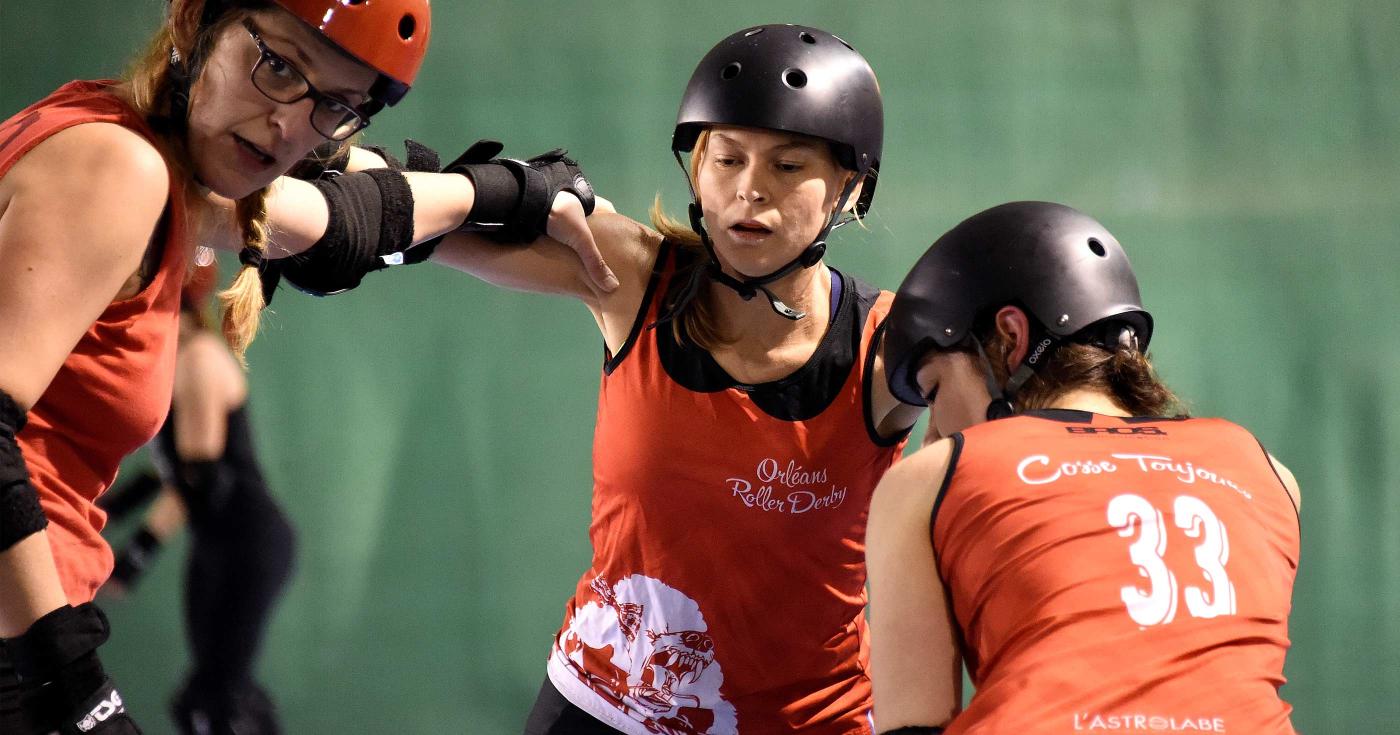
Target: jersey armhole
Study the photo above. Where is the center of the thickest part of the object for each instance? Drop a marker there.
(663, 258)
(943, 488)
(958, 628)
(867, 403)
(1281, 485)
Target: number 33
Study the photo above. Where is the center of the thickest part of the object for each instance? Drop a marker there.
(1157, 605)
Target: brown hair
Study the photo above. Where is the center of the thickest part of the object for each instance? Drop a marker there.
(1126, 375)
(152, 90)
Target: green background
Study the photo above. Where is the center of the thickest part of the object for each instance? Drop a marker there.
(430, 435)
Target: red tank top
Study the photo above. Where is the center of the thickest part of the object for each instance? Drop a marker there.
(112, 393)
(1118, 575)
(727, 587)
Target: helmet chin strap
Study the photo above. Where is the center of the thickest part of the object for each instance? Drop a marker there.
(747, 288)
(1003, 403)
(1112, 336)
(181, 80)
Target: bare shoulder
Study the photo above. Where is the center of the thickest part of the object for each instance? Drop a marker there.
(204, 348)
(205, 364)
(1289, 481)
(101, 151)
(78, 212)
(112, 170)
(911, 485)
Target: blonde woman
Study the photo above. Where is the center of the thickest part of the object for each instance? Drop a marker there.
(743, 419)
(105, 187)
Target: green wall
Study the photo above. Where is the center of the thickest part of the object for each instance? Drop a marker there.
(430, 435)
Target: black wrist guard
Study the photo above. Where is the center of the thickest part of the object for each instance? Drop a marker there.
(21, 515)
(135, 557)
(514, 198)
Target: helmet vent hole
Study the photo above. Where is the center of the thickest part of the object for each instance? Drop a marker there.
(795, 78)
(753, 31)
(1097, 247)
(355, 2)
(730, 70)
(407, 25)
(806, 37)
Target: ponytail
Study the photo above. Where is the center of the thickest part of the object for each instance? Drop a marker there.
(243, 301)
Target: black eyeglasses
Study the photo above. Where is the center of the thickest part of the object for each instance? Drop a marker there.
(279, 81)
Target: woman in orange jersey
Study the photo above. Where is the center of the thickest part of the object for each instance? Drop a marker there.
(743, 418)
(1102, 562)
(105, 187)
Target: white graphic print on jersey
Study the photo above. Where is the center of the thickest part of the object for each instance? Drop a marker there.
(642, 646)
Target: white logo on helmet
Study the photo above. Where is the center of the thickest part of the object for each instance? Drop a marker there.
(1039, 351)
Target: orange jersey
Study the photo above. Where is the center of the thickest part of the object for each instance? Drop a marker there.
(113, 391)
(1118, 575)
(727, 586)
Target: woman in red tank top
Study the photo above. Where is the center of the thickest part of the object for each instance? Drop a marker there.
(743, 418)
(105, 187)
(1101, 562)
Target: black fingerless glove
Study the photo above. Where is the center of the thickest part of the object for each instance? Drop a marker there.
(58, 654)
(135, 557)
(514, 198)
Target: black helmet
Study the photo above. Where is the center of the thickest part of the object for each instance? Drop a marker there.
(1065, 268)
(790, 78)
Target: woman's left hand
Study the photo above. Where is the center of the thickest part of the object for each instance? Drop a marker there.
(568, 224)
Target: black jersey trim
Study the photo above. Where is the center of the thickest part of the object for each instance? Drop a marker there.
(800, 396)
(867, 396)
(947, 482)
(1297, 515)
(968, 655)
(610, 363)
(1077, 416)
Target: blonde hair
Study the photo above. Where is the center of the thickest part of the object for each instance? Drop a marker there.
(151, 91)
(697, 319)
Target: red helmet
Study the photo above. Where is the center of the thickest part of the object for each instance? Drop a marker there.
(390, 36)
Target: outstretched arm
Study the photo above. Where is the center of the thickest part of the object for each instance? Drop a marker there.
(300, 211)
(552, 268)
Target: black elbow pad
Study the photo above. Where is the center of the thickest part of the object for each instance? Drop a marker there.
(370, 227)
(21, 515)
